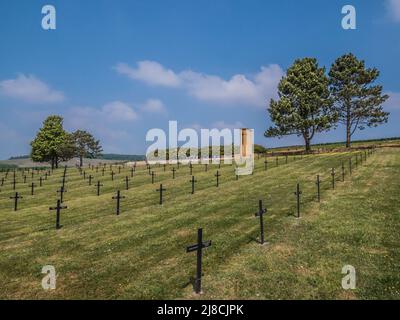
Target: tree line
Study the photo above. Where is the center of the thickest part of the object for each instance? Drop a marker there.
(310, 101)
(53, 144)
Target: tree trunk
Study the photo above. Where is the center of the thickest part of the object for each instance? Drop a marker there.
(308, 145)
(80, 161)
(348, 128)
(52, 163)
(56, 162)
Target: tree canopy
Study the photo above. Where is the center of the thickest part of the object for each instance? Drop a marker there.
(86, 146)
(304, 106)
(52, 143)
(357, 101)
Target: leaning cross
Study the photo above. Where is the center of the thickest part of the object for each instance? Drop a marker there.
(198, 247)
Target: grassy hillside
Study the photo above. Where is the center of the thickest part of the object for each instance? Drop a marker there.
(141, 253)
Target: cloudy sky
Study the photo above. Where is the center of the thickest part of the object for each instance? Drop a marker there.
(120, 68)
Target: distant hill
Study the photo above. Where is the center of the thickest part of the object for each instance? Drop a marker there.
(122, 157)
(106, 156)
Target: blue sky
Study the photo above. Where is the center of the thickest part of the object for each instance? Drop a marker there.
(120, 68)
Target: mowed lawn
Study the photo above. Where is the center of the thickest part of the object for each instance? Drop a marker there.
(141, 254)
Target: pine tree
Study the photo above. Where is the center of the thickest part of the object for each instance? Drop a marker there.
(357, 102)
(304, 106)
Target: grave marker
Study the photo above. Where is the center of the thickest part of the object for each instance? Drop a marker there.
(112, 175)
(32, 188)
(40, 181)
(173, 172)
(152, 177)
(61, 192)
(16, 197)
(98, 185)
(90, 180)
(126, 183)
(265, 164)
(333, 178)
(118, 197)
(198, 247)
(260, 213)
(217, 175)
(193, 181)
(297, 194)
(161, 193)
(350, 167)
(58, 209)
(343, 171)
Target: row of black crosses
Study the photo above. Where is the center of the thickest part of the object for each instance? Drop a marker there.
(200, 245)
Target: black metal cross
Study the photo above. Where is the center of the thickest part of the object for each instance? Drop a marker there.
(61, 192)
(198, 247)
(119, 169)
(173, 172)
(333, 178)
(16, 197)
(164, 165)
(24, 179)
(98, 185)
(152, 177)
(217, 175)
(14, 182)
(58, 209)
(112, 175)
(318, 183)
(132, 171)
(205, 167)
(277, 161)
(32, 188)
(40, 181)
(297, 194)
(193, 181)
(126, 183)
(2, 181)
(265, 164)
(260, 213)
(191, 168)
(84, 175)
(149, 169)
(118, 197)
(161, 193)
(102, 171)
(343, 171)
(90, 180)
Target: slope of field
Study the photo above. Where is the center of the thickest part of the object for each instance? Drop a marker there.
(141, 253)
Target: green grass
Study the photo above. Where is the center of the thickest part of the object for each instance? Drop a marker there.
(140, 254)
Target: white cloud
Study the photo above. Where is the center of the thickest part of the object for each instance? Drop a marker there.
(118, 111)
(393, 102)
(150, 72)
(30, 89)
(240, 89)
(393, 8)
(153, 106)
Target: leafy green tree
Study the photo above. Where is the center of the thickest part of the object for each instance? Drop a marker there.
(52, 143)
(304, 106)
(259, 149)
(357, 102)
(86, 146)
